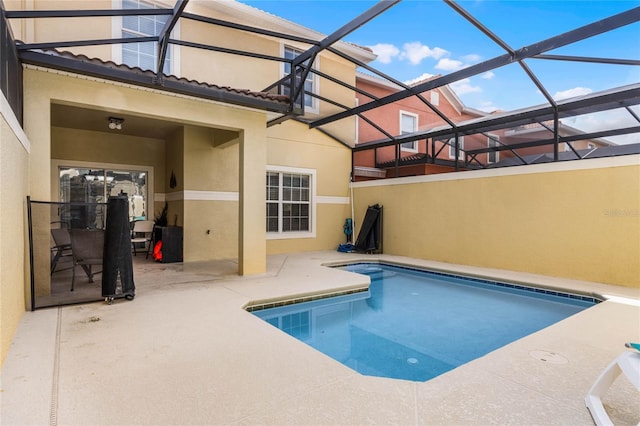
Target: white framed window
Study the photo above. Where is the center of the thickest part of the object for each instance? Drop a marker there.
(408, 124)
(290, 202)
(142, 55)
(311, 83)
(493, 142)
(452, 148)
(435, 98)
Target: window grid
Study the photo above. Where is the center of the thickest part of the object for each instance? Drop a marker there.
(143, 55)
(273, 198)
(408, 124)
(288, 206)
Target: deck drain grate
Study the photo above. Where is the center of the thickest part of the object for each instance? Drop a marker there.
(550, 357)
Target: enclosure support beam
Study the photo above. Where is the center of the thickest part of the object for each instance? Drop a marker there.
(163, 37)
(599, 27)
(556, 136)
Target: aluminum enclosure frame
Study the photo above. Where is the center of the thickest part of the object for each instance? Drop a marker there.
(41, 54)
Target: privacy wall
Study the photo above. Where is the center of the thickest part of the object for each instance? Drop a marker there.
(14, 157)
(578, 219)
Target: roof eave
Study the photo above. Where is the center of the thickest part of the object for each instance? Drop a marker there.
(140, 78)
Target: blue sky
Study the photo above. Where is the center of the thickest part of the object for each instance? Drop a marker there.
(427, 37)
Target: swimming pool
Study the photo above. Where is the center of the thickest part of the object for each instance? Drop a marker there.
(415, 325)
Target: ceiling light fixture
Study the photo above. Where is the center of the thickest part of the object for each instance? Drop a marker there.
(115, 123)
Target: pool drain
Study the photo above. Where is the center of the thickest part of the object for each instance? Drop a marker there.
(550, 357)
(412, 361)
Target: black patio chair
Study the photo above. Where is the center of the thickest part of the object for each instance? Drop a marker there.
(61, 249)
(87, 246)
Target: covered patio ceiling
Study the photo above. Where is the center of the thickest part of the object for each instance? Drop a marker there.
(281, 108)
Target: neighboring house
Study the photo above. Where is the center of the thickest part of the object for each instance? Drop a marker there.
(544, 131)
(408, 116)
(437, 155)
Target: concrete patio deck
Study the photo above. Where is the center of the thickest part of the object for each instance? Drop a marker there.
(185, 352)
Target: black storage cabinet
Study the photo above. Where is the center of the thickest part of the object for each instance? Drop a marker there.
(171, 237)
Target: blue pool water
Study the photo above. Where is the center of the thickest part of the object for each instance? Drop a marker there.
(416, 325)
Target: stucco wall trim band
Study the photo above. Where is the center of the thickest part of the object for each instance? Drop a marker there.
(231, 196)
(327, 199)
(192, 195)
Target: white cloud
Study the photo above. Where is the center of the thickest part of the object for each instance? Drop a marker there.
(385, 51)
(488, 75)
(606, 120)
(415, 52)
(471, 58)
(422, 77)
(570, 93)
(447, 64)
(464, 86)
(487, 106)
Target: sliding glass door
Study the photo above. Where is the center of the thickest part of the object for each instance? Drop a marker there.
(95, 185)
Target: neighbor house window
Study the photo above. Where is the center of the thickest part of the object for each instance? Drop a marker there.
(143, 55)
(310, 83)
(408, 124)
(493, 142)
(289, 203)
(452, 148)
(435, 98)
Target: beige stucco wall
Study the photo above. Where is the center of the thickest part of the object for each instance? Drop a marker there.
(182, 153)
(238, 71)
(174, 163)
(252, 229)
(62, 29)
(212, 174)
(225, 69)
(292, 145)
(220, 196)
(102, 147)
(205, 155)
(577, 220)
(222, 69)
(14, 159)
(37, 126)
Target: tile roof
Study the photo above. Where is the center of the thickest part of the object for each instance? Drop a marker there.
(151, 74)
